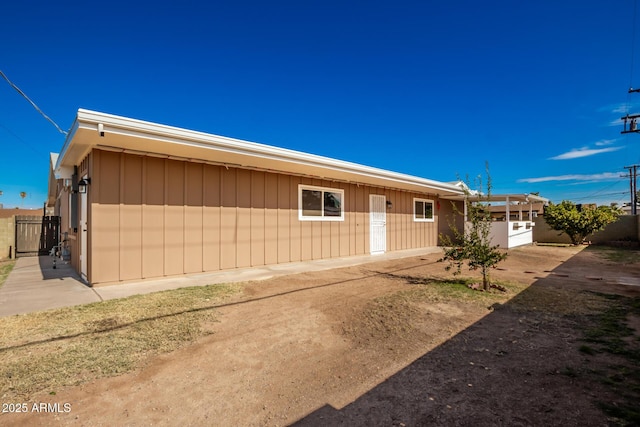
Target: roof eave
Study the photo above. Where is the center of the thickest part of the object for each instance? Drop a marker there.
(201, 146)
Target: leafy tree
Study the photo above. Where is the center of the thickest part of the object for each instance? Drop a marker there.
(579, 223)
(473, 244)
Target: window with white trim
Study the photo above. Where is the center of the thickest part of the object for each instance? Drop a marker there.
(423, 210)
(320, 203)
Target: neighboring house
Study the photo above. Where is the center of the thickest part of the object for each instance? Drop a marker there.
(627, 208)
(141, 200)
(518, 211)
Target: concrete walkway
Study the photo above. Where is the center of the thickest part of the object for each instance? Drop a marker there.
(34, 285)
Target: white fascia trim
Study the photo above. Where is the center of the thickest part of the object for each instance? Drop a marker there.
(65, 146)
(164, 133)
(53, 160)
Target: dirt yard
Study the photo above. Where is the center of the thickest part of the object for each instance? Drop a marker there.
(372, 345)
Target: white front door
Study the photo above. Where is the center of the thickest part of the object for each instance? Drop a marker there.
(83, 233)
(378, 223)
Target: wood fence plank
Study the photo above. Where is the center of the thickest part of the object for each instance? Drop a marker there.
(36, 235)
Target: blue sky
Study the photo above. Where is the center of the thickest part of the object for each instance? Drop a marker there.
(428, 88)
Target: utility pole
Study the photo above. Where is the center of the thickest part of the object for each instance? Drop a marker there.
(631, 126)
(630, 121)
(633, 186)
(634, 196)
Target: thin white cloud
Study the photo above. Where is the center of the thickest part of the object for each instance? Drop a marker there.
(621, 109)
(605, 142)
(583, 152)
(616, 122)
(574, 177)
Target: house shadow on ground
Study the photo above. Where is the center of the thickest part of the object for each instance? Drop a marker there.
(56, 270)
(522, 364)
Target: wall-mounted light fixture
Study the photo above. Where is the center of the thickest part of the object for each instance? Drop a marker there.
(83, 184)
(389, 204)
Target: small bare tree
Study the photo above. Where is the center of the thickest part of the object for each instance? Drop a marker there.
(473, 244)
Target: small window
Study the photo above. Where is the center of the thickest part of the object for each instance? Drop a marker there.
(320, 204)
(423, 210)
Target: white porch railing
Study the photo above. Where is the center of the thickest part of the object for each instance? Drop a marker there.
(510, 234)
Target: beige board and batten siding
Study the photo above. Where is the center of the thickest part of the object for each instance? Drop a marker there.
(153, 217)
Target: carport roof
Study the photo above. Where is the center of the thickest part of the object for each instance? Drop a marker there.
(97, 130)
(506, 198)
(520, 198)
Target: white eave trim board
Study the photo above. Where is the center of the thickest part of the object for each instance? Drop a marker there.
(111, 124)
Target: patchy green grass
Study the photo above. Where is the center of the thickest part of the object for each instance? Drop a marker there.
(68, 346)
(437, 289)
(440, 290)
(623, 415)
(558, 301)
(5, 269)
(609, 333)
(617, 255)
(610, 329)
(587, 350)
(555, 245)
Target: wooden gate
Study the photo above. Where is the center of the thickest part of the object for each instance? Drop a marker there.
(36, 235)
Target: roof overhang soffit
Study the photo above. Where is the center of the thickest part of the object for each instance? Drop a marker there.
(97, 130)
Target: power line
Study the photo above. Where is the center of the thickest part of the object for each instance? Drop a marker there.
(25, 143)
(31, 102)
(591, 197)
(633, 187)
(601, 192)
(633, 43)
(631, 119)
